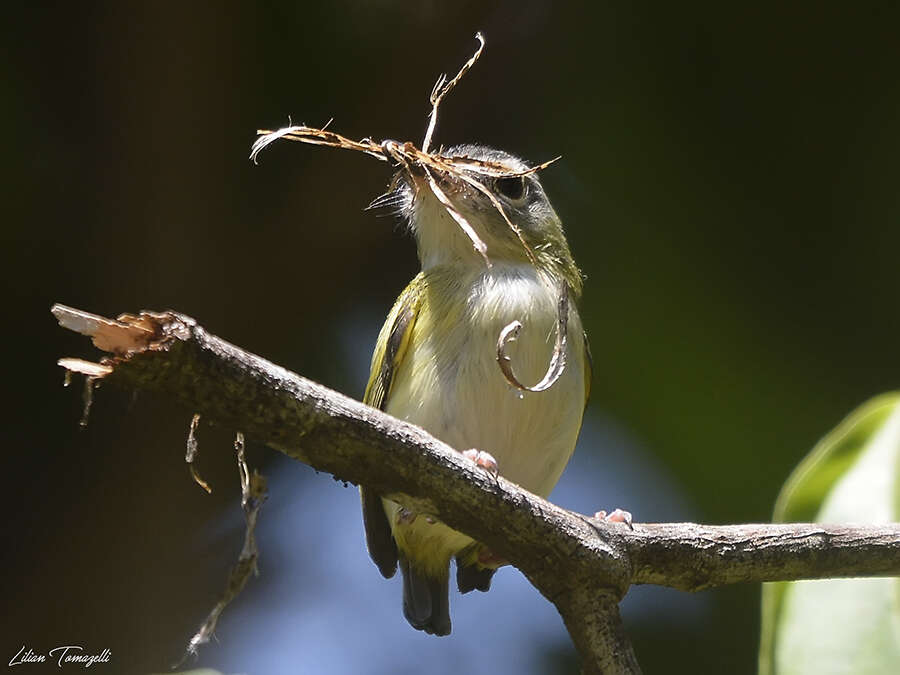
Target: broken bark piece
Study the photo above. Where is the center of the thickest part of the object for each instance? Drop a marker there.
(118, 336)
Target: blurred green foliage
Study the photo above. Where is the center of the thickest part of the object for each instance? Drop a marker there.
(840, 625)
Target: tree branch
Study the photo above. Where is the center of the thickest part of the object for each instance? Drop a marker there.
(693, 557)
(584, 566)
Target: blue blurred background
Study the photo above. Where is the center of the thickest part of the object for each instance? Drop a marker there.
(728, 184)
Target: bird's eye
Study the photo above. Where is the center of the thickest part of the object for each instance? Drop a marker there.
(511, 187)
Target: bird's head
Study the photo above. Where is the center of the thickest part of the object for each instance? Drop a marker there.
(498, 196)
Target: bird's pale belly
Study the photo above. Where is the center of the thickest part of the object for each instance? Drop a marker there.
(454, 388)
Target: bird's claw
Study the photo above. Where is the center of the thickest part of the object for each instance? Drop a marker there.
(484, 460)
(488, 558)
(617, 516)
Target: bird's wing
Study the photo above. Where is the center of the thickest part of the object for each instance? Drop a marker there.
(392, 345)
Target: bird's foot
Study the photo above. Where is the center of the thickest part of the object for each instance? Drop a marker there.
(617, 516)
(488, 558)
(483, 459)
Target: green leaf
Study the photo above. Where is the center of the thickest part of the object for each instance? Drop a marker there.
(847, 626)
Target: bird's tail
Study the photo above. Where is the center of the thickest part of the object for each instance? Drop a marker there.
(473, 577)
(471, 572)
(426, 600)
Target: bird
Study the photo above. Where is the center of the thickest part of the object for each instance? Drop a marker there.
(435, 363)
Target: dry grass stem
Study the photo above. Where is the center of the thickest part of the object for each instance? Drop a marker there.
(253, 494)
(557, 362)
(477, 242)
(442, 88)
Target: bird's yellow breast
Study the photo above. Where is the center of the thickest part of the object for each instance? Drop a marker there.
(449, 382)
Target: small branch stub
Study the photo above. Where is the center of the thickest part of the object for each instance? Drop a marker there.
(191, 454)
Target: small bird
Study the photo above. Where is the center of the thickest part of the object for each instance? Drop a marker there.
(435, 363)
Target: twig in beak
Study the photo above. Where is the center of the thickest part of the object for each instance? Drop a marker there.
(479, 245)
(417, 163)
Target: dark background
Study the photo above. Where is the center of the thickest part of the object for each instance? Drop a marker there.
(729, 186)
